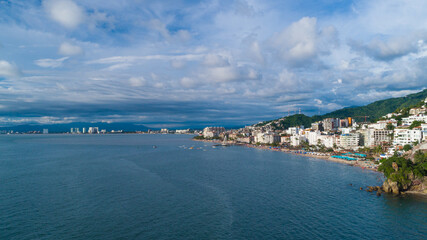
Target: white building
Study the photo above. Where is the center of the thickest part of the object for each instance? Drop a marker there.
(329, 140)
(406, 136)
(293, 130)
(375, 137)
(296, 140)
(415, 111)
(93, 130)
(164, 130)
(345, 130)
(349, 141)
(210, 132)
(312, 137)
(285, 139)
(383, 124)
(409, 120)
(267, 138)
(182, 131)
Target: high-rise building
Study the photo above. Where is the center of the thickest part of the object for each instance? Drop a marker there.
(84, 130)
(45, 131)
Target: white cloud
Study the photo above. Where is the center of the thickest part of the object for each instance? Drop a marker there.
(159, 85)
(374, 95)
(8, 70)
(119, 66)
(68, 49)
(65, 12)
(301, 42)
(338, 81)
(137, 81)
(133, 59)
(177, 64)
(188, 82)
(222, 74)
(215, 60)
(50, 63)
(388, 49)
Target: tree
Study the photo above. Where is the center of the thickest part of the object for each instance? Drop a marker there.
(407, 147)
(420, 157)
(415, 124)
(378, 149)
(389, 126)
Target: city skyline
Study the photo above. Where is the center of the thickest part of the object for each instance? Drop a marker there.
(178, 63)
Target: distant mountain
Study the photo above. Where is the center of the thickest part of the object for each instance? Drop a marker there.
(374, 110)
(65, 127)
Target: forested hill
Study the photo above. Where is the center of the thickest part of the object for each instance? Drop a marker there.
(374, 110)
(379, 108)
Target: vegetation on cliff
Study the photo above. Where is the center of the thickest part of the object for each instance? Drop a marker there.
(404, 172)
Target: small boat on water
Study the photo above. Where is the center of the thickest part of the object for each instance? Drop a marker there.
(154, 146)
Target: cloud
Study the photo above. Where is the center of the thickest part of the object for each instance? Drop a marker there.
(65, 12)
(245, 55)
(137, 81)
(8, 70)
(50, 63)
(302, 41)
(222, 74)
(385, 50)
(177, 64)
(188, 82)
(215, 60)
(68, 49)
(133, 59)
(338, 81)
(374, 95)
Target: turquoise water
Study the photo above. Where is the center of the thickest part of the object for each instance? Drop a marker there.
(120, 187)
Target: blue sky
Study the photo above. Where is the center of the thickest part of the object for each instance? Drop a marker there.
(180, 63)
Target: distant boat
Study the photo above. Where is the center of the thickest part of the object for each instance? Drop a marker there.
(154, 146)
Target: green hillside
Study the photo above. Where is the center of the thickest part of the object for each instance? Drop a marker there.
(379, 108)
(290, 121)
(374, 110)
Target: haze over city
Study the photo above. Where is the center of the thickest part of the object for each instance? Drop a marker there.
(182, 63)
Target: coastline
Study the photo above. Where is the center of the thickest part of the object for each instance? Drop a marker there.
(362, 164)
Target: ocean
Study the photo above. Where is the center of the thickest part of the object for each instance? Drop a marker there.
(121, 187)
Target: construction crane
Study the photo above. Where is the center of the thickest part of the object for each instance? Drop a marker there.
(363, 117)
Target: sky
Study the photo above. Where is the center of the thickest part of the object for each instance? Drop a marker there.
(194, 63)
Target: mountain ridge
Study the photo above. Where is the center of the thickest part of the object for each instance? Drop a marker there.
(372, 110)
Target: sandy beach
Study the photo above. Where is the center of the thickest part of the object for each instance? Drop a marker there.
(324, 156)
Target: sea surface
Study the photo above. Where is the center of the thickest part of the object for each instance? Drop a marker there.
(121, 187)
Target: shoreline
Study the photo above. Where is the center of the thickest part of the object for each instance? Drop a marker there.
(365, 165)
(361, 164)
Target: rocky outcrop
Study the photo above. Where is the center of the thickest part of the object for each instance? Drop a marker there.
(390, 187)
(419, 186)
(416, 185)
